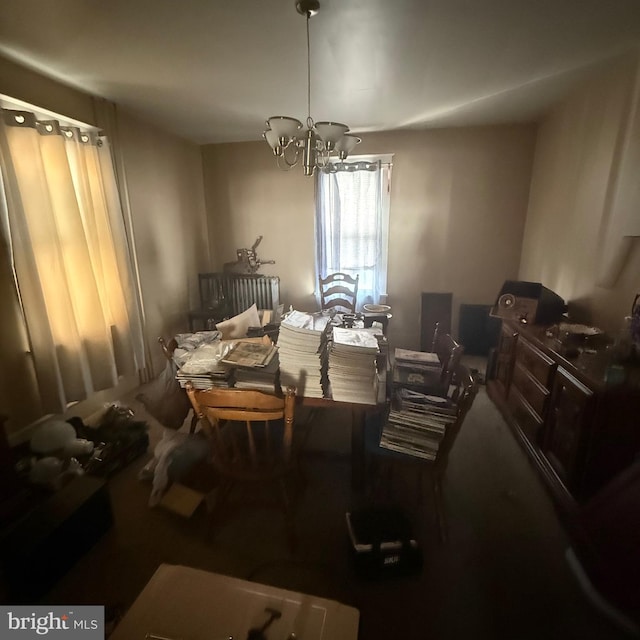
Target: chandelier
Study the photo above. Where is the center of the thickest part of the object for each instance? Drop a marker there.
(318, 141)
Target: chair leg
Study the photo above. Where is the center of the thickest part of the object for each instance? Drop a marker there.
(420, 481)
(440, 514)
(377, 479)
(214, 501)
(194, 423)
(289, 517)
(284, 495)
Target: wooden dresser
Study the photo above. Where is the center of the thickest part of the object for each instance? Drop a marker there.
(579, 429)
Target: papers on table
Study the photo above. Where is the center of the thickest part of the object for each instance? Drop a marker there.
(301, 345)
(213, 364)
(352, 367)
(188, 342)
(203, 367)
(250, 354)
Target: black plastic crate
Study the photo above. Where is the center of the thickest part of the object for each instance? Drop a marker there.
(382, 542)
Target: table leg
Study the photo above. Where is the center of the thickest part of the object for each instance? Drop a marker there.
(357, 449)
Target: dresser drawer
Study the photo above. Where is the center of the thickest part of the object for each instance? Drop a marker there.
(537, 363)
(525, 417)
(531, 390)
(569, 429)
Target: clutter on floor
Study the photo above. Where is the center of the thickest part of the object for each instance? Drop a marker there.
(118, 438)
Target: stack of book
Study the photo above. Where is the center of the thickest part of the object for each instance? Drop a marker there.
(259, 378)
(255, 366)
(352, 369)
(416, 369)
(301, 345)
(417, 423)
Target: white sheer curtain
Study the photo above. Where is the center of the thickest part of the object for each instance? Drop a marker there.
(352, 225)
(63, 222)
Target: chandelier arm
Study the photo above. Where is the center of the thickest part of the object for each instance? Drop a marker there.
(322, 158)
(288, 164)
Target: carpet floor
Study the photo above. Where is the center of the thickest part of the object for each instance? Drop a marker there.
(502, 574)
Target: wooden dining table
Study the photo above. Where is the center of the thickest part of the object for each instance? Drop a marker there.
(359, 412)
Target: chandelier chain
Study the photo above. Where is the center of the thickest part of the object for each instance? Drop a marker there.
(308, 71)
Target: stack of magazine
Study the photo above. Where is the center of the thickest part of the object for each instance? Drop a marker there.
(301, 344)
(417, 423)
(352, 369)
(255, 366)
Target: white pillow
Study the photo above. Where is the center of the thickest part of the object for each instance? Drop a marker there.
(238, 326)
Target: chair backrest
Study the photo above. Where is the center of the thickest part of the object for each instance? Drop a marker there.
(212, 294)
(449, 353)
(339, 292)
(168, 347)
(251, 432)
(466, 389)
(233, 293)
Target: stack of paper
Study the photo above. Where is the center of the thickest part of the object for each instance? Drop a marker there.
(417, 424)
(301, 344)
(352, 365)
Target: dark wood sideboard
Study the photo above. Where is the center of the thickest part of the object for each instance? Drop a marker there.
(579, 429)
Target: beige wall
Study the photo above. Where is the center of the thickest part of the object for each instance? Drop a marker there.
(165, 189)
(572, 191)
(458, 205)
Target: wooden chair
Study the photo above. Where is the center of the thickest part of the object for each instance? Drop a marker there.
(167, 349)
(251, 436)
(380, 459)
(449, 354)
(213, 303)
(338, 292)
(437, 381)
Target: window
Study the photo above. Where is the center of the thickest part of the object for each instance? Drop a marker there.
(352, 223)
(62, 221)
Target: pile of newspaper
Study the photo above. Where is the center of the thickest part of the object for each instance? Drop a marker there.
(301, 345)
(352, 367)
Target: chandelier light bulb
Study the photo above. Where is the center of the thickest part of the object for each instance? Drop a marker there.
(272, 139)
(346, 145)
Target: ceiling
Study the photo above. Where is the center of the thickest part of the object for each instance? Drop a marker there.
(213, 71)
